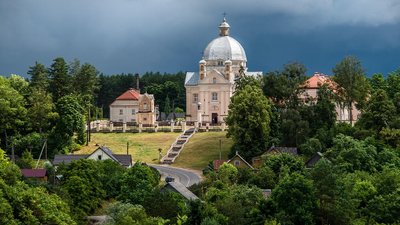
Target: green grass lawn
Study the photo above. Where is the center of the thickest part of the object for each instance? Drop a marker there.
(142, 146)
(203, 148)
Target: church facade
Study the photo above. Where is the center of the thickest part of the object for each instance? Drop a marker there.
(209, 90)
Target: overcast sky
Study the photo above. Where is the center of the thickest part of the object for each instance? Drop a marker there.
(135, 36)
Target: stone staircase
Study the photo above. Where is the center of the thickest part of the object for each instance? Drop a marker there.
(177, 146)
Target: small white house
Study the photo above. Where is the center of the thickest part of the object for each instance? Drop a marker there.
(101, 153)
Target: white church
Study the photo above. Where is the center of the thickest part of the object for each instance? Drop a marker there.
(209, 90)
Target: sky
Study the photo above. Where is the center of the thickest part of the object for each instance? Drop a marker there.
(135, 36)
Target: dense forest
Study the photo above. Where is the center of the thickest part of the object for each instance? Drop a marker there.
(54, 103)
(357, 181)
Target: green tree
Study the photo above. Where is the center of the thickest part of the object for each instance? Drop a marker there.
(60, 80)
(41, 110)
(353, 86)
(21, 204)
(71, 122)
(82, 185)
(284, 87)
(377, 81)
(239, 203)
(39, 77)
(128, 214)
(138, 183)
(351, 155)
(284, 164)
(167, 106)
(333, 207)
(324, 109)
(379, 112)
(248, 120)
(227, 173)
(86, 81)
(393, 82)
(295, 200)
(12, 109)
(20, 84)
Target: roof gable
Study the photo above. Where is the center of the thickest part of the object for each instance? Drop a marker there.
(237, 156)
(123, 159)
(130, 94)
(181, 189)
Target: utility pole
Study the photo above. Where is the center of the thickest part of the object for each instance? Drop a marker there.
(45, 150)
(159, 155)
(127, 147)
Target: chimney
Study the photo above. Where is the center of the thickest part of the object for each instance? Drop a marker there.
(137, 82)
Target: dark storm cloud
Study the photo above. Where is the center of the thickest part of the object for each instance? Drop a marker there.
(169, 35)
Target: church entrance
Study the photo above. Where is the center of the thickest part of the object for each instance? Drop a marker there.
(214, 118)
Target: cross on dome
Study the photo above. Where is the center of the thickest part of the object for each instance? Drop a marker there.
(224, 27)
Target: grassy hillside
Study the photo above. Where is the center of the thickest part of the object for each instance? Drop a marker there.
(142, 146)
(203, 148)
(198, 152)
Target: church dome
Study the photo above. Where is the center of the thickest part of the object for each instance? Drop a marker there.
(224, 47)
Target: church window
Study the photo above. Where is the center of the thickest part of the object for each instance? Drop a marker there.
(214, 80)
(214, 96)
(195, 98)
(121, 112)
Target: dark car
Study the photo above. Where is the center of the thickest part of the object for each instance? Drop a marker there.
(169, 179)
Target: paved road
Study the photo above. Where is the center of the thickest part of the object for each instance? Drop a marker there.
(186, 177)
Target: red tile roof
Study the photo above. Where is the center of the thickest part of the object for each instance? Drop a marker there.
(34, 172)
(318, 80)
(130, 94)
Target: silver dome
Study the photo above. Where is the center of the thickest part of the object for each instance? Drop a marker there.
(224, 48)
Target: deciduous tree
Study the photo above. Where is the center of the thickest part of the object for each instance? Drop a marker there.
(353, 86)
(248, 120)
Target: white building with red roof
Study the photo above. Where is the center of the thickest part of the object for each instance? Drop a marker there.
(311, 87)
(133, 107)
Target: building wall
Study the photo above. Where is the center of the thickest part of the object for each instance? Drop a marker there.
(126, 107)
(215, 83)
(342, 112)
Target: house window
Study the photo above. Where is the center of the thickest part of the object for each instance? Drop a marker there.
(145, 106)
(121, 112)
(214, 80)
(99, 157)
(214, 96)
(220, 63)
(133, 112)
(195, 98)
(237, 163)
(120, 120)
